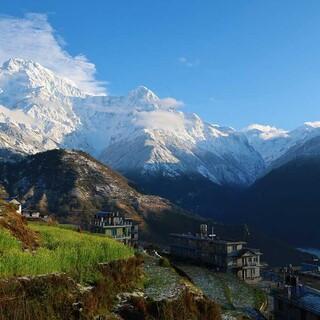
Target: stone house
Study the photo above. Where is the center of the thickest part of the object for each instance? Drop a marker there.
(115, 225)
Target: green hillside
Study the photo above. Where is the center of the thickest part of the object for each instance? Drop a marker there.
(59, 250)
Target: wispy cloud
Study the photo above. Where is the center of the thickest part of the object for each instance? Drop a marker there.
(170, 102)
(33, 38)
(189, 63)
(161, 119)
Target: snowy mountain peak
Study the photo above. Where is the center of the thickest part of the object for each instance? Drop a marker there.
(142, 99)
(21, 79)
(45, 99)
(16, 64)
(143, 93)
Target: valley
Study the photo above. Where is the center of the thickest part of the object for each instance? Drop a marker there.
(159, 160)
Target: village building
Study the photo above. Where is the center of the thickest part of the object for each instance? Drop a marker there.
(311, 266)
(294, 301)
(27, 213)
(31, 215)
(115, 225)
(17, 205)
(223, 255)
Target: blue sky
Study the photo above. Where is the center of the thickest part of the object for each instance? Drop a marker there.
(233, 62)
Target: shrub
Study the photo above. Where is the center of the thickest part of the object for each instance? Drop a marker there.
(164, 262)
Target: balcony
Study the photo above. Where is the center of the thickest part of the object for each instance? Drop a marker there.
(122, 237)
(251, 264)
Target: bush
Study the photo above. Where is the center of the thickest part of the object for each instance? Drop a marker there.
(164, 262)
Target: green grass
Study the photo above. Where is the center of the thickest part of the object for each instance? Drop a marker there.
(67, 226)
(61, 250)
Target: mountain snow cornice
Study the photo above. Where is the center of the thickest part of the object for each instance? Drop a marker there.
(138, 132)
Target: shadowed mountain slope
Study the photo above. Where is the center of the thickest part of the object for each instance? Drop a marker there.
(285, 203)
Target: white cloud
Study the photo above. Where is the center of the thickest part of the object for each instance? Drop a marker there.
(189, 63)
(161, 120)
(267, 132)
(33, 38)
(167, 103)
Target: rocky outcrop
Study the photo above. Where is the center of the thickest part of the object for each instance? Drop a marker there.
(59, 297)
(189, 304)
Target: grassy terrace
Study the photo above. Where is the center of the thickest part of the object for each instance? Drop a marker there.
(60, 250)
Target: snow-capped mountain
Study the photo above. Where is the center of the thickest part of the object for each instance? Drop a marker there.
(139, 132)
(273, 143)
(36, 108)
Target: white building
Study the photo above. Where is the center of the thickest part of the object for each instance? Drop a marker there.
(17, 205)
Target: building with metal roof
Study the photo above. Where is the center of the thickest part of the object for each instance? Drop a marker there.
(223, 255)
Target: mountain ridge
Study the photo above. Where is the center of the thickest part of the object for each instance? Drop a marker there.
(138, 132)
(284, 203)
(173, 141)
(71, 186)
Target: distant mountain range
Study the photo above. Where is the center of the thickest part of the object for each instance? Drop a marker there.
(138, 133)
(203, 167)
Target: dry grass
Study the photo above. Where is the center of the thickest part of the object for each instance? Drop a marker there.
(58, 297)
(16, 225)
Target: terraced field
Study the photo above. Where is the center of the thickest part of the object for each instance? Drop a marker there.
(55, 250)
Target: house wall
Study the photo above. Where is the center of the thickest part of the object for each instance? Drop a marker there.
(116, 226)
(250, 260)
(117, 231)
(234, 247)
(198, 249)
